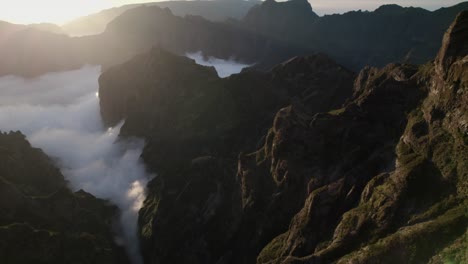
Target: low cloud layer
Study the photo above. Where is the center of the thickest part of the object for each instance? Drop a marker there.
(59, 113)
(224, 68)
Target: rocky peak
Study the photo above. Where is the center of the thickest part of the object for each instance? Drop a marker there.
(292, 7)
(281, 20)
(454, 45)
(161, 73)
(389, 9)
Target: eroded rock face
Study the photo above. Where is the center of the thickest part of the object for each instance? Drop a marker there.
(196, 124)
(414, 212)
(298, 176)
(41, 221)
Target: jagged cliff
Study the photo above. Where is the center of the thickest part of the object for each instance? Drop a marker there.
(306, 163)
(196, 124)
(41, 220)
(415, 209)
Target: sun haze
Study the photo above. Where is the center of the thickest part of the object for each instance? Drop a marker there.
(52, 11)
(62, 11)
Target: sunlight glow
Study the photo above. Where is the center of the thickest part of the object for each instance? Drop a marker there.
(62, 11)
(54, 11)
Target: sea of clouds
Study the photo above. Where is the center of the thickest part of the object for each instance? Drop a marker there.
(59, 113)
(225, 68)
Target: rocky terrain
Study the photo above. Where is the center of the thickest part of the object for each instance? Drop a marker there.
(41, 220)
(306, 163)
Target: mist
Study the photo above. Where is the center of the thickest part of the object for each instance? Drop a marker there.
(59, 113)
(224, 68)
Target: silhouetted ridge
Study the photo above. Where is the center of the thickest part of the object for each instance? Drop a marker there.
(270, 33)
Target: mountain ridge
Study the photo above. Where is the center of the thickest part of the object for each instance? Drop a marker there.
(360, 181)
(412, 38)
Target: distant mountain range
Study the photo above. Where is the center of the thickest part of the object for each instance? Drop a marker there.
(268, 34)
(391, 33)
(210, 10)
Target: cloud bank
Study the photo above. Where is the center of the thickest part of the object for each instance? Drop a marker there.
(59, 113)
(224, 68)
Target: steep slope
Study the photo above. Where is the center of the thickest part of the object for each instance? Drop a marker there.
(196, 125)
(380, 179)
(413, 213)
(41, 221)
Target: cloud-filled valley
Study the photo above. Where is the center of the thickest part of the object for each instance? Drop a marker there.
(59, 113)
(224, 68)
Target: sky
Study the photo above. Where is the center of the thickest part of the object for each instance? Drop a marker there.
(61, 11)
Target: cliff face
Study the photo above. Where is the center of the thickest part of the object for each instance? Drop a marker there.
(41, 221)
(274, 168)
(412, 212)
(196, 125)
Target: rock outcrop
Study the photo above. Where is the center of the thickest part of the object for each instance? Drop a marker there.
(196, 124)
(41, 220)
(414, 212)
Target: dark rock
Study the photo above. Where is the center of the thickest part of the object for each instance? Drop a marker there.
(411, 212)
(196, 124)
(41, 220)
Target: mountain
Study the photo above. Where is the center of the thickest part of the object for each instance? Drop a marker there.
(196, 124)
(210, 10)
(354, 39)
(30, 52)
(6, 28)
(41, 220)
(285, 20)
(306, 163)
(391, 33)
(47, 27)
(35, 52)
